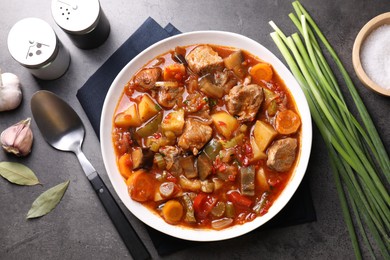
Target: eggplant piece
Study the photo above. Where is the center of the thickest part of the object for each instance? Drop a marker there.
(248, 180)
(233, 60)
(204, 166)
(188, 165)
(272, 108)
(137, 140)
(142, 158)
(179, 55)
(270, 99)
(240, 71)
(190, 214)
(180, 58)
(212, 149)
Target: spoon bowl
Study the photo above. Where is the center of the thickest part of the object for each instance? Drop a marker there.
(61, 127)
(58, 122)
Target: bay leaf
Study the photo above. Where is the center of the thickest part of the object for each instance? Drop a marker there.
(47, 201)
(18, 173)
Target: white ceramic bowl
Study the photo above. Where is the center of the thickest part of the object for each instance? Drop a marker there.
(205, 37)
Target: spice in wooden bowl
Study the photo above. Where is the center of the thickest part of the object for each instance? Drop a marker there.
(371, 54)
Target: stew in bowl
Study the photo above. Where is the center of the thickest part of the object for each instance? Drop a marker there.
(206, 137)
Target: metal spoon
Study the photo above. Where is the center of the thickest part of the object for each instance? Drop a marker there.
(63, 129)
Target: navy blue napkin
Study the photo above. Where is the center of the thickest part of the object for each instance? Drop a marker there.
(92, 94)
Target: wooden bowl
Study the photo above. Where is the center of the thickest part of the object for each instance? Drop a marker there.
(367, 29)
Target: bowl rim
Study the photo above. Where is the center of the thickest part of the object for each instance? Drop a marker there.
(199, 37)
(366, 30)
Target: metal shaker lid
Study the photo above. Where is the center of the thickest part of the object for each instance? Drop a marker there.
(32, 42)
(76, 16)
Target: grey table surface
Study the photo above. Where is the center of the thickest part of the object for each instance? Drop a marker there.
(79, 228)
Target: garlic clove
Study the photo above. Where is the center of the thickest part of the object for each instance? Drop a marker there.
(18, 138)
(10, 91)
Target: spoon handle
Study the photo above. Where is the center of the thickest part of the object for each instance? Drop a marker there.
(132, 241)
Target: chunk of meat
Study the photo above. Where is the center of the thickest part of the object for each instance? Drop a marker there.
(217, 83)
(281, 154)
(225, 79)
(197, 105)
(195, 102)
(204, 59)
(169, 95)
(195, 135)
(147, 78)
(245, 101)
(171, 156)
(221, 77)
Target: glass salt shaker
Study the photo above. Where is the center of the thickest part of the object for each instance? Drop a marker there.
(83, 20)
(33, 43)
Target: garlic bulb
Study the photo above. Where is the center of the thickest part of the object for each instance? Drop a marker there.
(10, 91)
(18, 138)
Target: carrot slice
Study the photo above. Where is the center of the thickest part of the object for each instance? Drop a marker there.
(174, 72)
(287, 122)
(172, 211)
(261, 71)
(125, 164)
(141, 186)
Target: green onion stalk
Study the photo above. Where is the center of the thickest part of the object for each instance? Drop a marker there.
(359, 161)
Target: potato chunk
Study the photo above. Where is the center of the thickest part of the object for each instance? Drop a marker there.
(174, 122)
(257, 154)
(225, 123)
(264, 134)
(147, 108)
(128, 118)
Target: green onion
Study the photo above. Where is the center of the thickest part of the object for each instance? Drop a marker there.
(359, 161)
